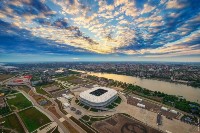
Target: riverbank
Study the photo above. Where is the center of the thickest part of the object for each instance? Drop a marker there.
(188, 92)
(188, 83)
(172, 101)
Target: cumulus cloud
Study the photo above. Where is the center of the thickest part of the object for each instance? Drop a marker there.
(177, 4)
(103, 27)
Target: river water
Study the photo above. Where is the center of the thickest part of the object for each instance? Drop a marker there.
(188, 92)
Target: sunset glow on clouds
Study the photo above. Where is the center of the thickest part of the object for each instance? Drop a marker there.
(130, 28)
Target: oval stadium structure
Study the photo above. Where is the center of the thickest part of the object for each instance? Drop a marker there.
(98, 97)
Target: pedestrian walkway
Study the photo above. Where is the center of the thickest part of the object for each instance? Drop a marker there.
(21, 122)
(62, 119)
(48, 128)
(68, 115)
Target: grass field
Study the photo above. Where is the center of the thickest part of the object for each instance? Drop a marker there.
(33, 118)
(18, 102)
(12, 122)
(40, 90)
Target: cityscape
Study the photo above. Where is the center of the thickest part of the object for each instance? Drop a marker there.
(81, 97)
(100, 66)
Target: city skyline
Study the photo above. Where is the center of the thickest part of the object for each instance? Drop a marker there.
(111, 30)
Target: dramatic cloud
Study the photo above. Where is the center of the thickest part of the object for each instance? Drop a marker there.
(132, 27)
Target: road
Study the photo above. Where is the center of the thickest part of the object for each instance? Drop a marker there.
(47, 113)
(61, 114)
(22, 123)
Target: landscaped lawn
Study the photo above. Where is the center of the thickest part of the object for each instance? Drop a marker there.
(40, 90)
(118, 100)
(12, 122)
(4, 111)
(115, 103)
(33, 118)
(86, 107)
(19, 101)
(86, 118)
(93, 110)
(111, 106)
(93, 119)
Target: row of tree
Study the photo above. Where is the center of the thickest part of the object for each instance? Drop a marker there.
(170, 100)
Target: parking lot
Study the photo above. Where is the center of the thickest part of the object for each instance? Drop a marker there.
(151, 107)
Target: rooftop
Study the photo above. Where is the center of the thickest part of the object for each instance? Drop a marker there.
(98, 92)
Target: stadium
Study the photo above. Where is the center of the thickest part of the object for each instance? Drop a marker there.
(98, 97)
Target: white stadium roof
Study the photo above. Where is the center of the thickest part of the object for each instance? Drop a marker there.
(105, 96)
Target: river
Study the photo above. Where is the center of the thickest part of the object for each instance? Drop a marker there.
(188, 92)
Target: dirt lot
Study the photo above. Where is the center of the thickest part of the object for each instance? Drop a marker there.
(53, 110)
(51, 89)
(70, 127)
(39, 98)
(5, 76)
(59, 93)
(151, 107)
(120, 123)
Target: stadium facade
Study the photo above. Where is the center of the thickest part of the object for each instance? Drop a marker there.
(98, 97)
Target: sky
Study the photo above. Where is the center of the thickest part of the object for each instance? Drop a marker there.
(99, 30)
